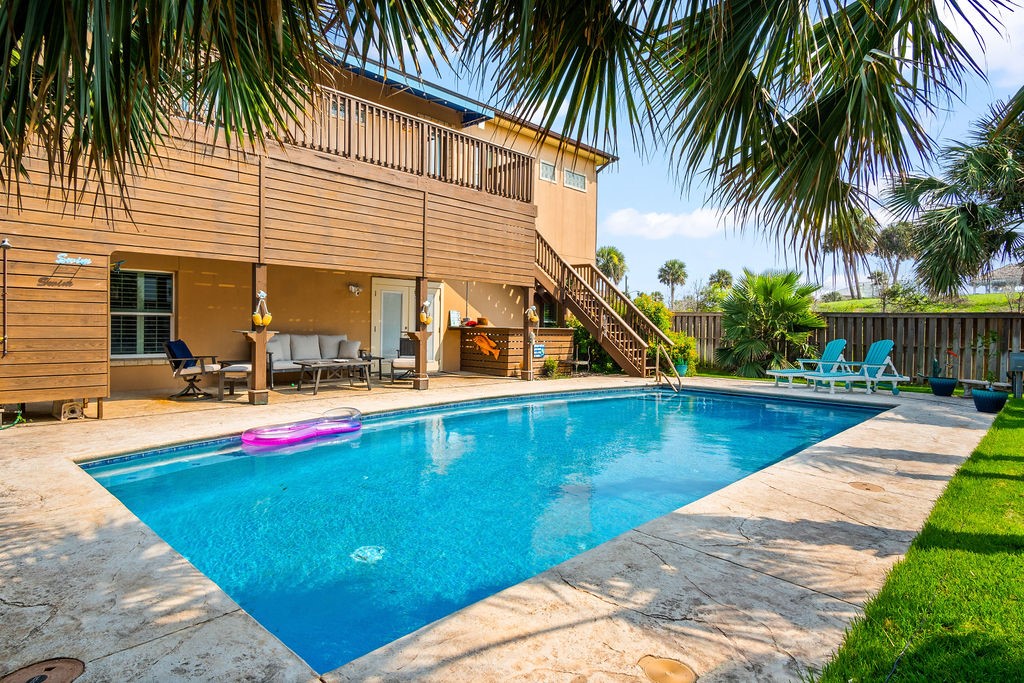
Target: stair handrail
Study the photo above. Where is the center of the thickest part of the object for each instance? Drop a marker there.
(544, 249)
(586, 286)
(660, 349)
(652, 329)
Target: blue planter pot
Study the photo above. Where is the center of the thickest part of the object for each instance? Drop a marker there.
(988, 401)
(681, 368)
(942, 386)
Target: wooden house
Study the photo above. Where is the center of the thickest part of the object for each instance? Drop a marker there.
(386, 189)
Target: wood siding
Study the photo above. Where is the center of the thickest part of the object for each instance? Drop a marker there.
(918, 338)
(318, 217)
(477, 238)
(294, 207)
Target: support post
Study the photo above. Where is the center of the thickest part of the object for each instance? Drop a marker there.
(527, 371)
(420, 380)
(258, 394)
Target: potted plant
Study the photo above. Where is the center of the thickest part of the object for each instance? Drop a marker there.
(683, 352)
(943, 383)
(988, 400)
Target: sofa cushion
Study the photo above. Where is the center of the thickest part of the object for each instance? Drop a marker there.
(280, 346)
(285, 366)
(329, 344)
(347, 349)
(305, 347)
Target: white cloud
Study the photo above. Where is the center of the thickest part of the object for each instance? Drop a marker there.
(1000, 48)
(697, 224)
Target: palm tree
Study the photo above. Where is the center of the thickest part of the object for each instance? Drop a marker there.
(973, 213)
(790, 108)
(894, 245)
(612, 263)
(767, 322)
(720, 278)
(672, 274)
(850, 238)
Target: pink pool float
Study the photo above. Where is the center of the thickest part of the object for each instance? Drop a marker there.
(341, 421)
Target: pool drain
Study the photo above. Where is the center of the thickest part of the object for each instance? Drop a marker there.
(60, 670)
(662, 670)
(864, 486)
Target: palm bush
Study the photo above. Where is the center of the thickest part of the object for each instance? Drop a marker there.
(767, 322)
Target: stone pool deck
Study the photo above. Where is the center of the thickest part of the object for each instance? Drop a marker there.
(755, 582)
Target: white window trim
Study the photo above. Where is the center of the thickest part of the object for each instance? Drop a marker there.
(565, 178)
(554, 172)
(171, 315)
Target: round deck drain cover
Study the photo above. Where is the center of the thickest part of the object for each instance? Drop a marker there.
(60, 670)
(661, 670)
(864, 486)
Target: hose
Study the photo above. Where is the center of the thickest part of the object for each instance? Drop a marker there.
(17, 419)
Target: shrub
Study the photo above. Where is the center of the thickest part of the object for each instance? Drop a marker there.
(767, 322)
(550, 367)
(656, 311)
(684, 350)
(903, 296)
(600, 361)
(684, 347)
(831, 297)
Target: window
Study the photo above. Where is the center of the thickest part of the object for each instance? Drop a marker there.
(576, 181)
(141, 305)
(547, 171)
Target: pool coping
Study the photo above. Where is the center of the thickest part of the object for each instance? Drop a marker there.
(462, 646)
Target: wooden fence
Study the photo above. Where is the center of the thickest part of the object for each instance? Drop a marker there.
(980, 340)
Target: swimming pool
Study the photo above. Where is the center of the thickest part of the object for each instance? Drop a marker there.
(344, 546)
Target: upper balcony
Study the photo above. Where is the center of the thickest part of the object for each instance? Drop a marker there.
(350, 127)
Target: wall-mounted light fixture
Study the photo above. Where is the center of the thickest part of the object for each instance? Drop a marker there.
(5, 246)
(355, 288)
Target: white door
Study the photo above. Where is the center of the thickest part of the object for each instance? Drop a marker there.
(395, 311)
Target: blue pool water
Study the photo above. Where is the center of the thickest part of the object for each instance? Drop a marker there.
(454, 505)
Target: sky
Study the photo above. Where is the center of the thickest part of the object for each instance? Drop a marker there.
(642, 212)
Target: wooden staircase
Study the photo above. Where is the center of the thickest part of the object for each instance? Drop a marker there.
(614, 321)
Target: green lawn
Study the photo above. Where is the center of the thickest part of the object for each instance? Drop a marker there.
(953, 609)
(973, 303)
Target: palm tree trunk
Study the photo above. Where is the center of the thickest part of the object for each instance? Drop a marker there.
(853, 275)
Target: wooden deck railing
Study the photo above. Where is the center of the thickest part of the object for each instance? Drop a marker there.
(350, 127)
(615, 335)
(622, 304)
(980, 340)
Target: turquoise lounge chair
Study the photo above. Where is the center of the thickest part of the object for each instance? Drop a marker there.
(876, 367)
(830, 357)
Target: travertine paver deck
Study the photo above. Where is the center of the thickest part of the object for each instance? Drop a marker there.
(757, 581)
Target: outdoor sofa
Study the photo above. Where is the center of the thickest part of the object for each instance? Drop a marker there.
(284, 350)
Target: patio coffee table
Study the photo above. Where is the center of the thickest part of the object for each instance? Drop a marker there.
(333, 370)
